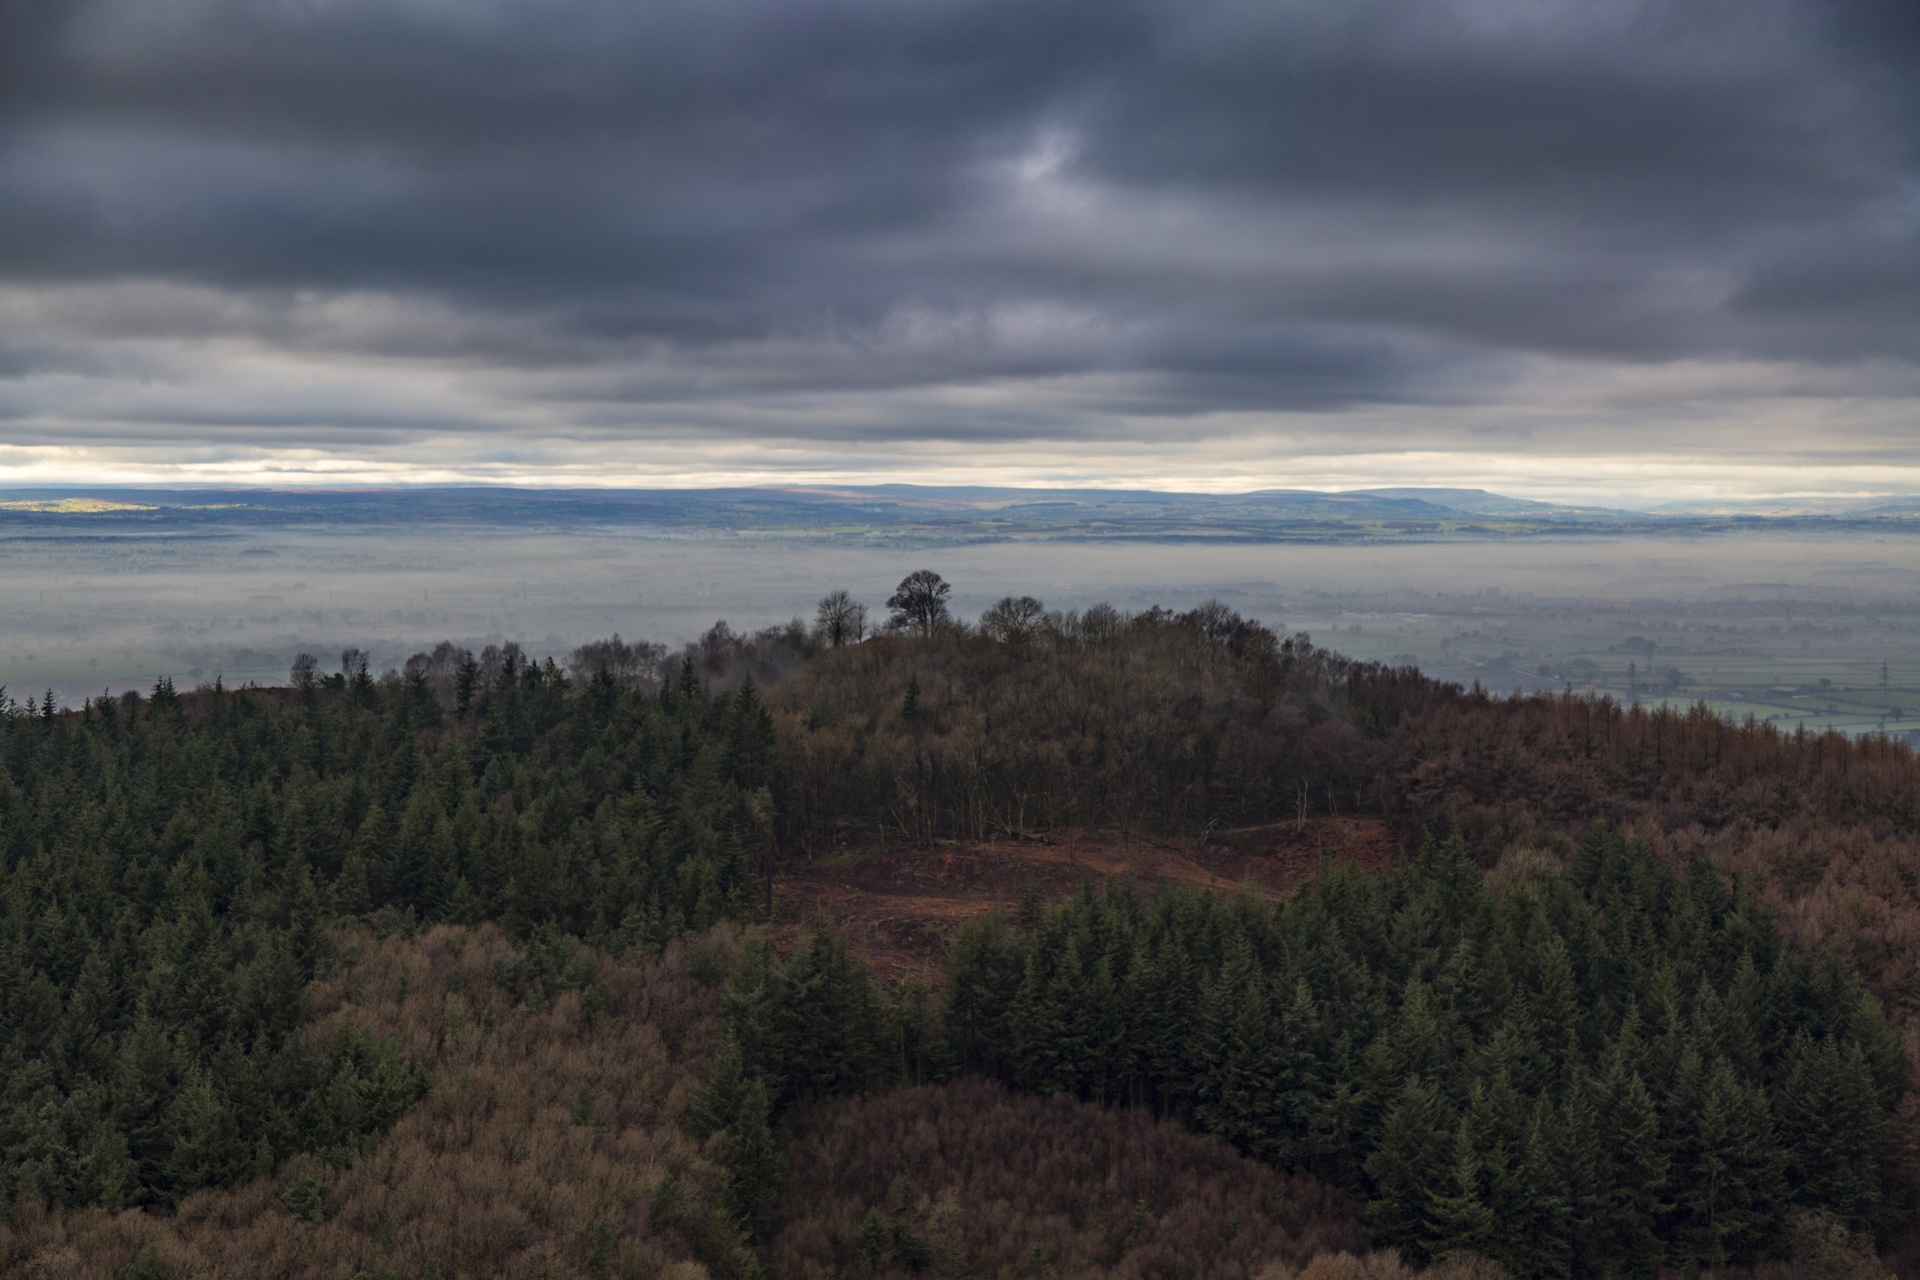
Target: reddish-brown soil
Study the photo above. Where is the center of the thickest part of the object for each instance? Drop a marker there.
(903, 907)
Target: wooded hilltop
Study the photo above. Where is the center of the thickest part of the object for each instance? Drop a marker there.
(1641, 995)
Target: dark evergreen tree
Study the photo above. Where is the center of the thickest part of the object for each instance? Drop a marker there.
(1836, 1135)
(1412, 1165)
(1730, 1191)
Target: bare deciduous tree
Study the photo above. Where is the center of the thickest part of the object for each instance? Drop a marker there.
(1102, 623)
(717, 646)
(616, 658)
(1014, 620)
(840, 620)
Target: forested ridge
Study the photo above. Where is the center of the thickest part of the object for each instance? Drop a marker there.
(1608, 1055)
(168, 866)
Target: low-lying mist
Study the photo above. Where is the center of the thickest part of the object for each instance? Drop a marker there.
(1747, 621)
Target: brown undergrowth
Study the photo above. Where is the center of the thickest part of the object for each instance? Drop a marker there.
(967, 1179)
(551, 1144)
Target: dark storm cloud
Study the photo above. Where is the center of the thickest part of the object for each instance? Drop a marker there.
(1190, 207)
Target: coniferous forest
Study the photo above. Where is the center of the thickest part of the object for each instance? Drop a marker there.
(1639, 996)
(171, 864)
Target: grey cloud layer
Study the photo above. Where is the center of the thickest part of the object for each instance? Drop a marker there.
(802, 219)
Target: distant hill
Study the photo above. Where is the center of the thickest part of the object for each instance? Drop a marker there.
(1844, 507)
(915, 512)
(1481, 503)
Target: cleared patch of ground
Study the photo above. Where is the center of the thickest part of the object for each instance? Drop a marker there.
(967, 1179)
(903, 907)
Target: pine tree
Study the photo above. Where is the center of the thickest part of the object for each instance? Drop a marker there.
(734, 1104)
(1513, 1050)
(916, 1034)
(1534, 1235)
(145, 1081)
(1555, 1006)
(1577, 1159)
(1167, 1014)
(1732, 1189)
(984, 973)
(1496, 1119)
(1461, 1220)
(1036, 1029)
(1296, 1081)
(752, 1003)
(206, 1148)
(1412, 1160)
(755, 1164)
(750, 738)
(104, 1171)
(85, 1041)
(1831, 1128)
(829, 1019)
(1243, 1103)
(1633, 1171)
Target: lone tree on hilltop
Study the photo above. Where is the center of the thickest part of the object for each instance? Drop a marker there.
(919, 603)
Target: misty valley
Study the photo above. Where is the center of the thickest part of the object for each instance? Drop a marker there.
(1802, 621)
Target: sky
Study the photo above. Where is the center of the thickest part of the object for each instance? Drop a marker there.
(1599, 250)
